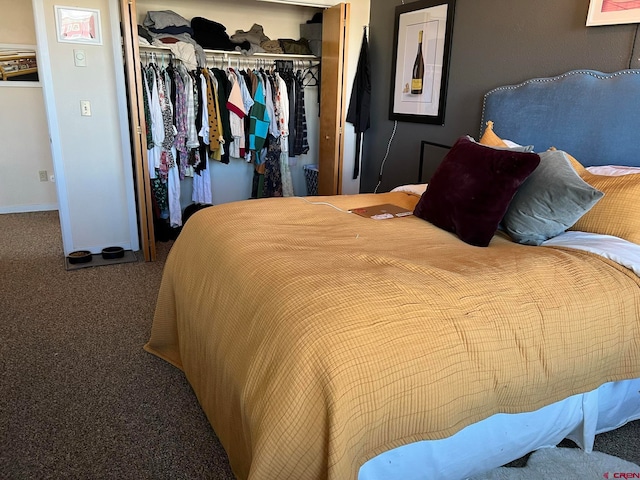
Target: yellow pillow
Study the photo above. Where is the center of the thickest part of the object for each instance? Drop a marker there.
(490, 138)
(577, 166)
(617, 212)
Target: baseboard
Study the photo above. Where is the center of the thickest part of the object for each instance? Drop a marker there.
(44, 207)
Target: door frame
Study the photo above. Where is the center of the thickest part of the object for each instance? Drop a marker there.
(335, 31)
(135, 108)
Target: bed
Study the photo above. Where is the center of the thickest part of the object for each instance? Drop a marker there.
(323, 344)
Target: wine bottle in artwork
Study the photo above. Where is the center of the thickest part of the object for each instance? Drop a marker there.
(417, 75)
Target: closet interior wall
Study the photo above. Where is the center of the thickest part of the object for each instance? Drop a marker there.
(233, 181)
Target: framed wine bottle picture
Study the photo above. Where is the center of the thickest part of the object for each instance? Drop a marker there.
(422, 47)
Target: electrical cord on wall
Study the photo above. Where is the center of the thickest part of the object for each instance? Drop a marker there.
(393, 134)
(633, 49)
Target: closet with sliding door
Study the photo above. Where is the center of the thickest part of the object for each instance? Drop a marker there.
(322, 77)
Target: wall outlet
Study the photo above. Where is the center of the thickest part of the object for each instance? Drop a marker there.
(85, 108)
(44, 177)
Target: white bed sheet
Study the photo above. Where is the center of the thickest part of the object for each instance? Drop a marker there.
(614, 248)
(613, 170)
(502, 438)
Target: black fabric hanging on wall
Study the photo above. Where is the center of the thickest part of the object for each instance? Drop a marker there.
(360, 103)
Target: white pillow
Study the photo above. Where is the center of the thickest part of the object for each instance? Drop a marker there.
(511, 144)
(416, 189)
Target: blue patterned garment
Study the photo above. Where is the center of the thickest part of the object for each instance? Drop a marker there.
(259, 120)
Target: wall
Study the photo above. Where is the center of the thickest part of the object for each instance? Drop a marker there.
(495, 43)
(23, 126)
(91, 154)
(360, 10)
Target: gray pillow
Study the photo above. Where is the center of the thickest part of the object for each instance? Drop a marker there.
(551, 200)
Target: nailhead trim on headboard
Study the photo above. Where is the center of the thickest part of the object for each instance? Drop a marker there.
(597, 121)
(593, 73)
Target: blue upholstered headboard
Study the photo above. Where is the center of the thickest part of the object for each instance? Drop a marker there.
(593, 116)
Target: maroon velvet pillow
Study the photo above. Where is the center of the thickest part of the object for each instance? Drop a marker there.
(471, 189)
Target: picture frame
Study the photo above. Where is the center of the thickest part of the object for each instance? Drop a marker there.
(423, 27)
(613, 12)
(18, 65)
(78, 25)
(431, 150)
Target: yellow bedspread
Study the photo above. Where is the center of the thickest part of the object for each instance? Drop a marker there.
(316, 339)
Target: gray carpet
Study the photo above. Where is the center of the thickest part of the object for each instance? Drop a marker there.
(79, 397)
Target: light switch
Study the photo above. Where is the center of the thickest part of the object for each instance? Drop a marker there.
(79, 58)
(85, 108)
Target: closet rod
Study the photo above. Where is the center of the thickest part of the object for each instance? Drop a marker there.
(225, 54)
(153, 56)
(249, 62)
(226, 59)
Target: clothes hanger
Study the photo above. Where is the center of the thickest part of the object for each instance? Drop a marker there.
(313, 81)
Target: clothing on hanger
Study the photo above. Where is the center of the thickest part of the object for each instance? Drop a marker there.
(193, 116)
